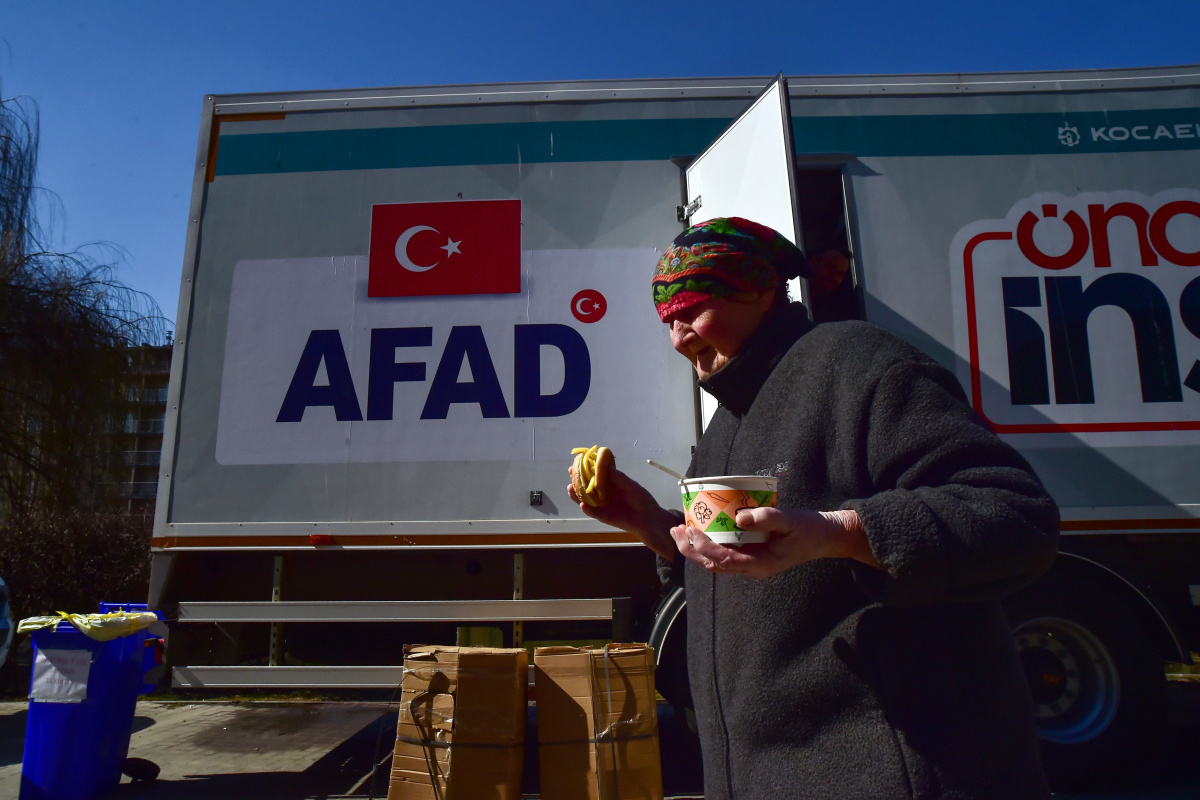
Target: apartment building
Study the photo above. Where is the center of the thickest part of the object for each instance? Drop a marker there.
(137, 450)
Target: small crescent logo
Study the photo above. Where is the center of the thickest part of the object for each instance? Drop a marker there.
(588, 306)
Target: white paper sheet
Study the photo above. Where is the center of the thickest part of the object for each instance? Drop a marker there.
(60, 676)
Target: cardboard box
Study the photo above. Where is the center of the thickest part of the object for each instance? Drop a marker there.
(597, 723)
(461, 730)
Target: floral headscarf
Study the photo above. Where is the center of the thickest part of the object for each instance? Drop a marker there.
(724, 257)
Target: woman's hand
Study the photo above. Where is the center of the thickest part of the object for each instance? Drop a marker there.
(797, 536)
(632, 509)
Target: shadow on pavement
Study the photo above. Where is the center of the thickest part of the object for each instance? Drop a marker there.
(343, 771)
(12, 737)
(236, 786)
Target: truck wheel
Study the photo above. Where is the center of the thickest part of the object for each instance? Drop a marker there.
(682, 763)
(668, 637)
(1097, 681)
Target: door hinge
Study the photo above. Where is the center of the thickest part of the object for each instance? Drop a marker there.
(683, 213)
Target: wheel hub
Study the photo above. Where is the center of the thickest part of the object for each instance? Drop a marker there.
(1072, 679)
(1052, 673)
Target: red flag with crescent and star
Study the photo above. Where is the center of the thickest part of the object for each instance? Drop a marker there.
(459, 247)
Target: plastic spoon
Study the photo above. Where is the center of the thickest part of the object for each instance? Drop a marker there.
(667, 470)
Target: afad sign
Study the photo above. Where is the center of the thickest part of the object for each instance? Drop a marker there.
(448, 341)
(1082, 314)
(481, 255)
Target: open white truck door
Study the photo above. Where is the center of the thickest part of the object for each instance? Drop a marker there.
(747, 172)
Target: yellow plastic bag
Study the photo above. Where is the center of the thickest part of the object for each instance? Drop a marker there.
(101, 627)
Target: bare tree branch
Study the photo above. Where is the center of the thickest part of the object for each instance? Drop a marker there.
(65, 325)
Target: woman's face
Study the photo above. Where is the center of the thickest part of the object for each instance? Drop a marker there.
(712, 332)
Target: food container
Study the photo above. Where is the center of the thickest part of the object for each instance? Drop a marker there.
(711, 504)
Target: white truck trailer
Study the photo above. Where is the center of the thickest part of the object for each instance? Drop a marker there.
(401, 308)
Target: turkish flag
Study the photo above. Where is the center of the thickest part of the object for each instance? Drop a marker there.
(460, 247)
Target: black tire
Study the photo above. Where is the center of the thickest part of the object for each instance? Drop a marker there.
(668, 637)
(682, 763)
(1096, 677)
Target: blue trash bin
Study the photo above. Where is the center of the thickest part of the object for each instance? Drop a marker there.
(76, 745)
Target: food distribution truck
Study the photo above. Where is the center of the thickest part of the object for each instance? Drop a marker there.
(401, 308)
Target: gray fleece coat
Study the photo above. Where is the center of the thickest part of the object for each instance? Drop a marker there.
(834, 679)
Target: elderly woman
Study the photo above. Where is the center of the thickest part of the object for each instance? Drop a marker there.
(861, 652)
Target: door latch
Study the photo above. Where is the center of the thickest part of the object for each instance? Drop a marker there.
(683, 213)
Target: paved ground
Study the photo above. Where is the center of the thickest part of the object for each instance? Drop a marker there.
(234, 751)
(321, 751)
(262, 751)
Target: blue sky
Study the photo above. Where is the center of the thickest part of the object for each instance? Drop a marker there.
(119, 84)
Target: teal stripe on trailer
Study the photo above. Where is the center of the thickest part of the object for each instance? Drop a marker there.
(453, 145)
(1000, 134)
(659, 139)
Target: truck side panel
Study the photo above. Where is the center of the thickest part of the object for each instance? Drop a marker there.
(932, 175)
